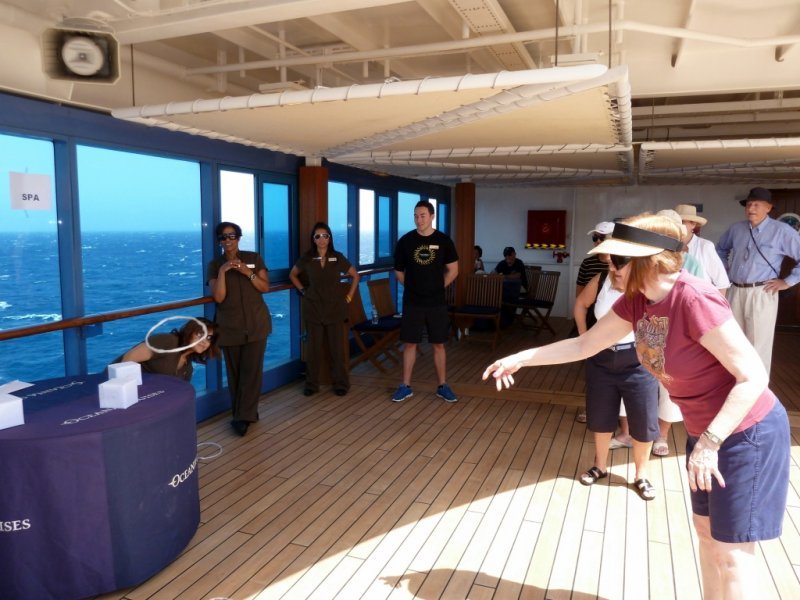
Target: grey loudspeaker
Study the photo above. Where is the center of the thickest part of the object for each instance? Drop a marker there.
(80, 54)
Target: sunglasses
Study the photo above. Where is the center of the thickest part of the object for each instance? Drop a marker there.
(227, 236)
(324, 236)
(598, 238)
(619, 262)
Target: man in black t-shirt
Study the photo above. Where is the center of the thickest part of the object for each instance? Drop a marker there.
(425, 262)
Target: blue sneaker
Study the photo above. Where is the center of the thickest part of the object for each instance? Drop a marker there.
(445, 393)
(403, 392)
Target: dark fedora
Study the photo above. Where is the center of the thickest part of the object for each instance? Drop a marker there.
(757, 193)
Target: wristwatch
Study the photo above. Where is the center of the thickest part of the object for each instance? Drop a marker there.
(717, 441)
(252, 276)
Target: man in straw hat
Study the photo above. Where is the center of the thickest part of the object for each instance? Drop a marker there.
(703, 250)
(753, 251)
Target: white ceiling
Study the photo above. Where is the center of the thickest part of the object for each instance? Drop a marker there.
(698, 91)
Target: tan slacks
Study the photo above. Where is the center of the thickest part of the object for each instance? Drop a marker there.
(756, 311)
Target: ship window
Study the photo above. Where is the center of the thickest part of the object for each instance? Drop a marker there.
(337, 216)
(237, 205)
(276, 226)
(140, 240)
(385, 249)
(366, 227)
(29, 270)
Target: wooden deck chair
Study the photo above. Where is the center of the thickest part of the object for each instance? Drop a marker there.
(483, 301)
(380, 293)
(450, 298)
(538, 303)
(375, 341)
(519, 305)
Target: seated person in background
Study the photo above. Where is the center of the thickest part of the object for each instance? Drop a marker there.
(513, 270)
(511, 266)
(477, 258)
(177, 364)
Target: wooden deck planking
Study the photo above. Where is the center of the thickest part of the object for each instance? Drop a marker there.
(358, 497)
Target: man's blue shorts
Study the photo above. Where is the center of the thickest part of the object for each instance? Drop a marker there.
(755, 466)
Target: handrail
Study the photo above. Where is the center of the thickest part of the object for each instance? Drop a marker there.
(19, 332)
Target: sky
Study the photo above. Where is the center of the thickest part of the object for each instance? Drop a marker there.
(119, 191)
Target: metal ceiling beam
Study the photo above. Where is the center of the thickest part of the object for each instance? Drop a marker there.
(678, 44)
(456, 46)
(207, 17)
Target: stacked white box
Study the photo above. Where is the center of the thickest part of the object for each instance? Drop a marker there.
(126, 370)
(11, 413)
(118, 393)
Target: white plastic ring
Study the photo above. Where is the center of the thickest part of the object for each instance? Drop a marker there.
(182, 348)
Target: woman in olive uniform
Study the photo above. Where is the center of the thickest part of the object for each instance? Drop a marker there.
(237, 280)
(177, 364)
(316, 275)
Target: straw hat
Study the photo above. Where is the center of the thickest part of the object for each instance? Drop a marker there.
(688, 212)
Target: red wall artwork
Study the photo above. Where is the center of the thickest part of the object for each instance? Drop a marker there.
(547, 229)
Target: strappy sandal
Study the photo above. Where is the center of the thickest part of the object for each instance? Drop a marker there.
(660, 448)
(581, 416)
(645, 489)
(592, 475)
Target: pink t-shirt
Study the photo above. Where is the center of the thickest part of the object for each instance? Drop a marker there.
(667, 342)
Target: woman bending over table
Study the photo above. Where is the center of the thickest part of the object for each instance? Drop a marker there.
(178, 364)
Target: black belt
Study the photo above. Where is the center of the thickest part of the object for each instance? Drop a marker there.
(620, 347)
(746, 285)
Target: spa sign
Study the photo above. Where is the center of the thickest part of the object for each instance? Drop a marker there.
(30, 191)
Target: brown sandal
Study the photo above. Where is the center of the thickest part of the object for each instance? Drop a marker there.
(592, 475)
(645, 489)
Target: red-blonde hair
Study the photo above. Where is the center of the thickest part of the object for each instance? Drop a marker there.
(648, 268)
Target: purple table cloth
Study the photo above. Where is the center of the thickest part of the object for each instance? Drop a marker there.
(93, 500)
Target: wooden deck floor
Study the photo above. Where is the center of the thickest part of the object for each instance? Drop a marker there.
(359, 497)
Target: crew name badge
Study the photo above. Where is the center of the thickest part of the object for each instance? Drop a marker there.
(251, 266)
(30, 191)
(433, 247)
(332, 259)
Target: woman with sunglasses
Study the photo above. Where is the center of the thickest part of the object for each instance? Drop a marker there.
(177, 364)
(737, 446)
(238, 279)
(612, 375)
(316, 275)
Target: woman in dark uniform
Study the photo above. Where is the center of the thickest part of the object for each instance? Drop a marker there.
(177, 364)
(237, 280)
(316, 275)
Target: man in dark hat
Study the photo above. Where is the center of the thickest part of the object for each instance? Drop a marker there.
(753, 251)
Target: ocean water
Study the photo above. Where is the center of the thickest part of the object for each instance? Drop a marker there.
(121, 271)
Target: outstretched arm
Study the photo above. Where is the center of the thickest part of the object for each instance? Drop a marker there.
(606, 332)
(139, 353)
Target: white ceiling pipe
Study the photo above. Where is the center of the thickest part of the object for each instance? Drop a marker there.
(507, 101)
(376, 90)
(642, 112)
(766, 167)
(721, 144)
(491, 151)
(454, 46)
(491, 168)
